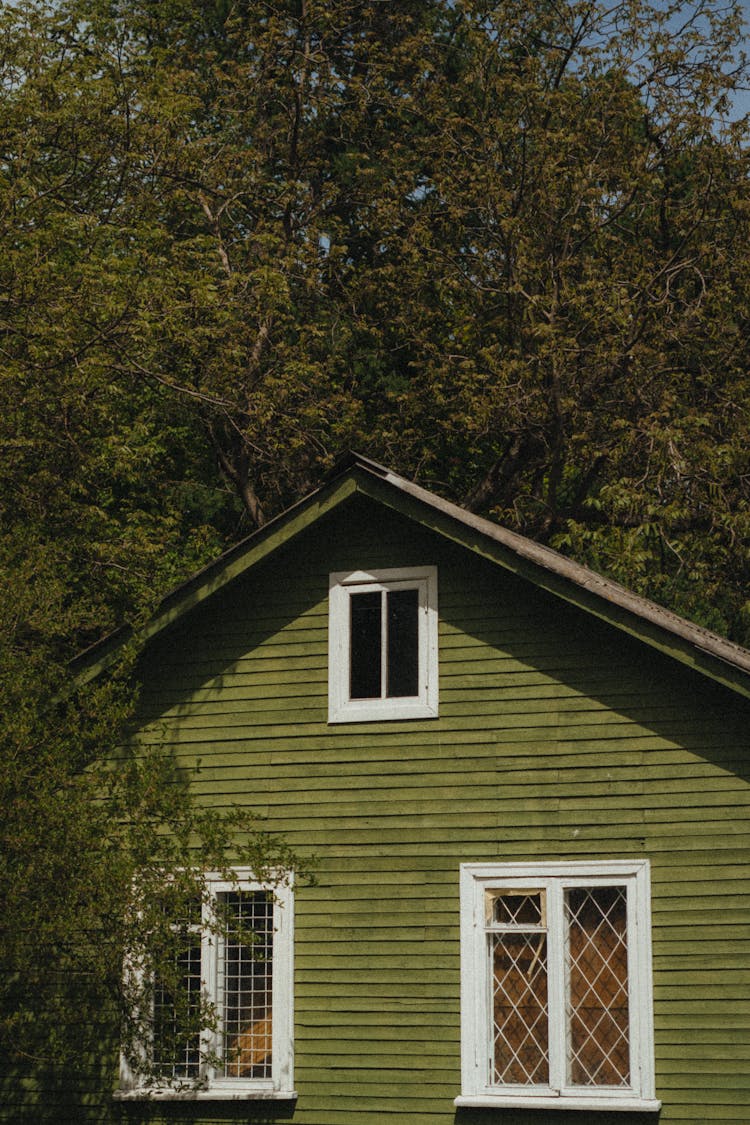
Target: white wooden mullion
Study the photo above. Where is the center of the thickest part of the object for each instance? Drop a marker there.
(486, 1033)
(556, 985)
(383, 644)
(567, 1058)
(640, 986)
(209, 971)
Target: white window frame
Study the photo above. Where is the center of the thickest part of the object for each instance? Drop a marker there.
(476, 984)
(424, 705)
(210, 1085)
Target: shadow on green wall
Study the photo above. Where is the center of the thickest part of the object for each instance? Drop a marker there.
(551, 1117)
(207, 1113)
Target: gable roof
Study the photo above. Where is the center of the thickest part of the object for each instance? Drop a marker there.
(698, 648)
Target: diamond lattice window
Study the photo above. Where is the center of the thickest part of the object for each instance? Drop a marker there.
(520, 1031)
(556, 994)
(597, 974)
(519, 1013)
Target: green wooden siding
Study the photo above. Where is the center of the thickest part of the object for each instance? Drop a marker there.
(558, 738)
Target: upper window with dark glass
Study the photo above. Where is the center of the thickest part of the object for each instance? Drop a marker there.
(383, 645)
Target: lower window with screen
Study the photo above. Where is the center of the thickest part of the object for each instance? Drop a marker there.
(234, 950)
(556, 998)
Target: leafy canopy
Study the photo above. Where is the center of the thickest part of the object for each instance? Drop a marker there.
(500, 246)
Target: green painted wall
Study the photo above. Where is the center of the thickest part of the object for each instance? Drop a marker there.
(558, 738)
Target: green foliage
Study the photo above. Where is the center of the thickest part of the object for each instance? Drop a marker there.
(95, 841)
(501, 246)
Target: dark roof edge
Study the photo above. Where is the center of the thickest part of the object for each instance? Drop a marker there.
(557, 564)
(99, 655)
(353, 460)
(334, 489)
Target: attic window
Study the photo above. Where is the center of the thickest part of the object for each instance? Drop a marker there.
(383, 645)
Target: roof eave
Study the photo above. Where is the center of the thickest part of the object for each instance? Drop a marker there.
(217, 574)
(704, 651)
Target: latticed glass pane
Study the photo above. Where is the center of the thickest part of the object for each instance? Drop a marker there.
(176, 1048)
(597, 974)
(245, 979)
(519, 1008)
(516, 908)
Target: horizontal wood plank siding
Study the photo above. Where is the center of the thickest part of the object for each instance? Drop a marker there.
(558, 738)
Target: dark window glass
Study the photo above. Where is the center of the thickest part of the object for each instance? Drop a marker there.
(513, 908)
(364, 678)
(403, 644)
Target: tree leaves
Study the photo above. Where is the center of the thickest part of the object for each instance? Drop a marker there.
(500, 246)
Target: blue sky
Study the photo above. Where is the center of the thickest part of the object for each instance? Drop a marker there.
(742, 98)
(742, 101)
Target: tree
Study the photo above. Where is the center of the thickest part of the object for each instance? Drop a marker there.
(100, 512)
(604, 199)
(502, 247)
(277, 231)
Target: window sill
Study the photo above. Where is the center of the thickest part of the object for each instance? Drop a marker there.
(612, 1105)
(216, 1094)
(382, 711)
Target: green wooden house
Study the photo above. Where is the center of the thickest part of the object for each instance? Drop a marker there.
(527, 791)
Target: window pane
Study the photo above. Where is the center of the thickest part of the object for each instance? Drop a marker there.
(365, 642)
(519, 1009)
(516, 907)
(245, 979)
(403, 643)
(176, 1048)
(597, 971)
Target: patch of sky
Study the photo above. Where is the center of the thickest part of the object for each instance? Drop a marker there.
(594, 35)
(741, 99)
(687, 18)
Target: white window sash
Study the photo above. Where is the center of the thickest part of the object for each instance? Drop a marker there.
(215, 1085)
(476, 984)
(342, 585)
(281, 989)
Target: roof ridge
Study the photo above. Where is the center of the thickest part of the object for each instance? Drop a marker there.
(561, 576)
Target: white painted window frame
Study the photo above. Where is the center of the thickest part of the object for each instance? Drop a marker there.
(342, 584)
(554, 878)
(217, 1087)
